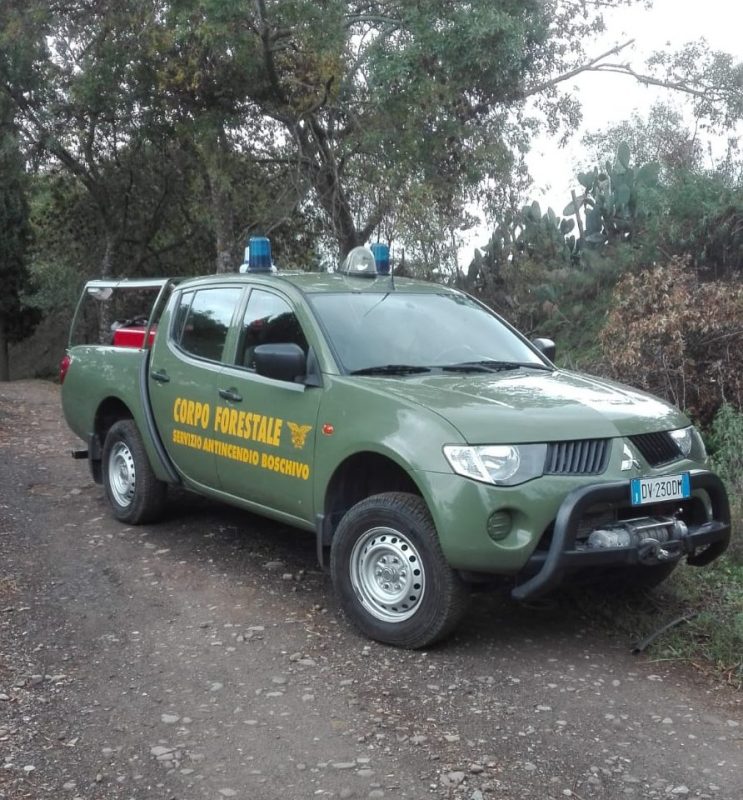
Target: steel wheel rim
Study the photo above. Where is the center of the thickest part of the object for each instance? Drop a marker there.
(387, 574)
(121, 474)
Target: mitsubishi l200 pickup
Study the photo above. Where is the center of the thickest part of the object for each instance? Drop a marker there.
(421, 439)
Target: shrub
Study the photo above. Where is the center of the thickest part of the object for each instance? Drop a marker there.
(678, 337)
(726, 447)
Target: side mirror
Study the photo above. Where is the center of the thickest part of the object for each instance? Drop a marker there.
(282, 362)
(546, 347)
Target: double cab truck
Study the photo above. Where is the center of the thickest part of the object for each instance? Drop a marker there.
(424, 442)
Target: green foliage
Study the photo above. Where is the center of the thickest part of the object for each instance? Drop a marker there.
(546, 236)
(190, 125)
(725, 444)
(379, 106)
(702, 220)
(161, 228)
(715, 78)
(555, 275)
(662, 137)
(15, 320)
(82, 83)
(692, 211)
(614, 199)
(715, 634)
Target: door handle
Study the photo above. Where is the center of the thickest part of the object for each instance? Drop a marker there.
(160, 375)
(231, 395)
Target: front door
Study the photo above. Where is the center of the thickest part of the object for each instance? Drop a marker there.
(273, 423)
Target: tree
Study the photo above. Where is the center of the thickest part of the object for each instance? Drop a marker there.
(81, 79)
(663, 136)
(16, 321)
(385, 103)
(381, 113)
(696, 210)
(372, 106)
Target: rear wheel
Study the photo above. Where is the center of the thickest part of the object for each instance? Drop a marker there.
(133, 491)
(390, 575)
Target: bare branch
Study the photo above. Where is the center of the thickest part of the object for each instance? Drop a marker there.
(625, 69)
(589, 66)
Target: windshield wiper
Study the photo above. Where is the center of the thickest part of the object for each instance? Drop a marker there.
(493, 366)
(466, 366)
(390, 369)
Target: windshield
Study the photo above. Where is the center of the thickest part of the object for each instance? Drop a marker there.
(405, 332)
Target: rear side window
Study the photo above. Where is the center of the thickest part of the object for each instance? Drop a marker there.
(202, 321)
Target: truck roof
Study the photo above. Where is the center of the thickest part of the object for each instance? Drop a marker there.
(322, 282)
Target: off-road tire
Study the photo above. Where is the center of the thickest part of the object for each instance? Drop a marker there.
(135, 494)
(390, 575)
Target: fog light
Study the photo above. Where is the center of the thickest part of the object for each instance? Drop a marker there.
(499, 525)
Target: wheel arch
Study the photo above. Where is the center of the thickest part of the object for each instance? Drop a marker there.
(357, 477)
(109, 412)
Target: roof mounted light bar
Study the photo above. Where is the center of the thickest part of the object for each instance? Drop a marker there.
(367, 262)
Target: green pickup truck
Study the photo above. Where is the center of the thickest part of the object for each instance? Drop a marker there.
(424, 441)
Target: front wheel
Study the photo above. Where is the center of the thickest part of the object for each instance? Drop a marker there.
(133, 491)
(390, 576)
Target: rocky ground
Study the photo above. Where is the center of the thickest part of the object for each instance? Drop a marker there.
(203, 658)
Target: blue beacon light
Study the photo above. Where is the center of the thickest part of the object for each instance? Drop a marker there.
(381, 257)
(259, 257)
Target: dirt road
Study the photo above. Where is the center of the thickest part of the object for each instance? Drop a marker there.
(202, 658)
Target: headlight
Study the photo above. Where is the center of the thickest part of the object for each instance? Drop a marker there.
(682, 437)
(500, 464)
(690, 443)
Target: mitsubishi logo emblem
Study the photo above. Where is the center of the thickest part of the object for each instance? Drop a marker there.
(628, 459)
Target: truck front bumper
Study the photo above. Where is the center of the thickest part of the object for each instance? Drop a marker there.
(548, 569)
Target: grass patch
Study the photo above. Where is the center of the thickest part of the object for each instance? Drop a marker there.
(711, 599)
(714, 636)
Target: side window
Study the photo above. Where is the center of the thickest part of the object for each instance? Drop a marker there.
(268, 320)
(179, 318)
(202, 321)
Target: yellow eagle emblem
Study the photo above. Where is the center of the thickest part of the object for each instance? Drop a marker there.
(299, 433)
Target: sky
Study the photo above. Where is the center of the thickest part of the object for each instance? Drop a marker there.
(608, 99)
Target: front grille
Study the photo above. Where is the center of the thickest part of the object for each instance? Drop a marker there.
(582, 457)
(657, 448)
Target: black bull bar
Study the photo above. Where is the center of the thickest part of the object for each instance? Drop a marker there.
(563, 557)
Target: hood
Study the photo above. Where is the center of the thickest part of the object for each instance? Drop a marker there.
(536, 406)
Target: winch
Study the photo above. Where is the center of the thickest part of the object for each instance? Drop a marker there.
(656, 538)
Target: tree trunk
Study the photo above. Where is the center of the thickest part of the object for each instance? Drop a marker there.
(224, 221)
(335, 204)
(107, 267)
(4, 357)
(215, 152)
(107, 262)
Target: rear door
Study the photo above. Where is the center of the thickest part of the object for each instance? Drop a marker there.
(185, 368)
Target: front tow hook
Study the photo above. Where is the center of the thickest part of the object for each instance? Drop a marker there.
(651, 551)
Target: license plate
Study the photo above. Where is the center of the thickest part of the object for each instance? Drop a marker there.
(658, 490)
